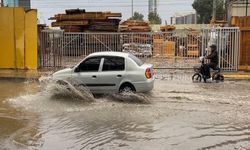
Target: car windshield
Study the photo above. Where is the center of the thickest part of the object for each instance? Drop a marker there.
(135, 59)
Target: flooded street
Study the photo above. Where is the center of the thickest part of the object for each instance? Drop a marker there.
(177, 114)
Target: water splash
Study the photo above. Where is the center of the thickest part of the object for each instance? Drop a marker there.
(68, 89)
(64, 89)
(53, 96)
(130, 97)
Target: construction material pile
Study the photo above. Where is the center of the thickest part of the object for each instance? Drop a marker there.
(134, 26)
(167, 28)
(78, 20)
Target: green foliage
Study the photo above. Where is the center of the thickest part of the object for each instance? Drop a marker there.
(137, 16)
(204, 9)
(154, 18)
(220, 10)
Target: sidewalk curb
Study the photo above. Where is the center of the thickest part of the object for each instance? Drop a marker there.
(237, 76)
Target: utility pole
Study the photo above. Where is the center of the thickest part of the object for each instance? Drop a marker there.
(246, 7)
(132, 8)
(214, 10)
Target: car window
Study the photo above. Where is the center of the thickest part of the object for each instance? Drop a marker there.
(113, 64)
(135, 59)
(90, 64)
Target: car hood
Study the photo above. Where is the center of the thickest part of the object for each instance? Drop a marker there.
(63, 72)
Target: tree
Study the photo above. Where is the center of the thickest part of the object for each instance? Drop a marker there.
(220, 10)
(154, 18)
(137, 16)
(204, 9)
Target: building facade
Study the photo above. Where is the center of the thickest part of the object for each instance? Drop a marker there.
(17, 3)
(152, 6)
(184, 19)
(238, 8)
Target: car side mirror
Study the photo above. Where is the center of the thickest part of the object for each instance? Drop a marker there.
(77, 69)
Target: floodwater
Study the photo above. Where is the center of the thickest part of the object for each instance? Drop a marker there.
(177, 114)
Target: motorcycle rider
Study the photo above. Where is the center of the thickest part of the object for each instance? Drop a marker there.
(214, 60)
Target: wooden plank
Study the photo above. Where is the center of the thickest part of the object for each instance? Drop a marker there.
(135, 23)
(134, 26)
(64, 17)
(69, 23)
(169, 48)
(167, 28)
(245, 28)
(103, 28)
(105, 22)
(192, 53)
(94, 15)
(245, 48)
(244, 24)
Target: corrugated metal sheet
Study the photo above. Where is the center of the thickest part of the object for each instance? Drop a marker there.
(7, 48)
(18, 38)
(19, 16)
(31, 39)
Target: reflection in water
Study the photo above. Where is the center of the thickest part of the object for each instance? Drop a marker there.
(177, 115)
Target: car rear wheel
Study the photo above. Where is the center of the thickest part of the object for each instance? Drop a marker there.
(127, 88)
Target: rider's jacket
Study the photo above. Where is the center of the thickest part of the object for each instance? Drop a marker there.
(214, 58)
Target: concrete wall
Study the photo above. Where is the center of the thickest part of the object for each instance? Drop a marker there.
(18, 38)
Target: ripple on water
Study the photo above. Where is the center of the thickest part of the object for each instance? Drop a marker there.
(206, 118)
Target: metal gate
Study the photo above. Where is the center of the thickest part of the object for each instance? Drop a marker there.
(228, 45)
(175, 49)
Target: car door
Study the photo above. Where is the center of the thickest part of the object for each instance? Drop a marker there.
(112, 73)
(87, 73)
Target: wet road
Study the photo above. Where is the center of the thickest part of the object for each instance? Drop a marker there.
(180, 115)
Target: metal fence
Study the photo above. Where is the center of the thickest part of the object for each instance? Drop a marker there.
(175, 49)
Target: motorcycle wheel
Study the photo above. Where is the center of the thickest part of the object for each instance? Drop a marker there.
(216, 76)
(196, 77)
(221, 78)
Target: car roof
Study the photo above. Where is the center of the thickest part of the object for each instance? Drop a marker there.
(108, 53)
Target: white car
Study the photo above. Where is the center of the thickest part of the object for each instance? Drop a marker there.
(111, 72)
